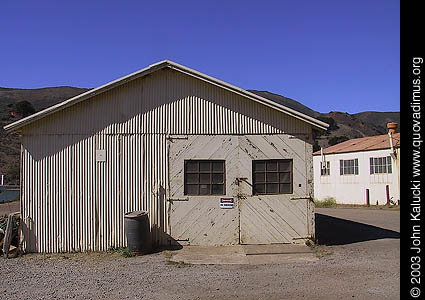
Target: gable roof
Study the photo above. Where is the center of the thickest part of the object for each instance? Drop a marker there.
(150, 69)
(378, 142)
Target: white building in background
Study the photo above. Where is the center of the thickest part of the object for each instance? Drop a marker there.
(351, 170)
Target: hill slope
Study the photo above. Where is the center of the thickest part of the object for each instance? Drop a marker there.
(9, 143)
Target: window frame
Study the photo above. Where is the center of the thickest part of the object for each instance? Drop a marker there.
(326, 171)
(378, 166)
(198, 172)
(278, 172)
(343, 167)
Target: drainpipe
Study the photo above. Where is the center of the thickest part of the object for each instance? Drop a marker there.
(392, 128)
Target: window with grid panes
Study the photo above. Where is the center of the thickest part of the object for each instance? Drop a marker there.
(271, 177)
(204, 177)
(325, 168)
(349, 167)
(380, 165)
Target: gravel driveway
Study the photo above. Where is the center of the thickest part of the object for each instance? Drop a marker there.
(360, 260)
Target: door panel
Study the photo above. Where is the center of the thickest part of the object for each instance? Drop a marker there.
(198, 220)
(267, 219)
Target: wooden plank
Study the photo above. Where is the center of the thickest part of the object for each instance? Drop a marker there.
(8, 234)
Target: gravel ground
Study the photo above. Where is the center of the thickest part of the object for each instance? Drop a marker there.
(361, 263)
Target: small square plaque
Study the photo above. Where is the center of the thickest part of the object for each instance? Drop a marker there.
(100, 155)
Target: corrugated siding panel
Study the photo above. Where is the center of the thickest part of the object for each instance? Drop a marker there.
(168, 102)
(70, 202)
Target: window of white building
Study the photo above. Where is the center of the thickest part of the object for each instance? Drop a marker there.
(349, 167)
(325, 168)
(381, 165)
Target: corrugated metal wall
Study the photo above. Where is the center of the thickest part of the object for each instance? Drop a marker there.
(71, 202)
(168, 102)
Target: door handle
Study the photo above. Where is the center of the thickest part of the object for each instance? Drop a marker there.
(238, 180)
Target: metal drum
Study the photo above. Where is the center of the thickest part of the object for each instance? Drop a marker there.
(137, 231)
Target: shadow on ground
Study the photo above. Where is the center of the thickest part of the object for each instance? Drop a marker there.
(335, 231)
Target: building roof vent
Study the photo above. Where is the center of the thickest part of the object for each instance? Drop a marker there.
(392, 127)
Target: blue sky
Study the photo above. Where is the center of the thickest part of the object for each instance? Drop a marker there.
(329, 55)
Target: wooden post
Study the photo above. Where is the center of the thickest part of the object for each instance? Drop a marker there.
(367, 197)
(387, 187)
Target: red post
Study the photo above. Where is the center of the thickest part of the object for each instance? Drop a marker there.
(367, 197)
(387, 187)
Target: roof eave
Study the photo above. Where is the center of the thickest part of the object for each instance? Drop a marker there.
(317, 153)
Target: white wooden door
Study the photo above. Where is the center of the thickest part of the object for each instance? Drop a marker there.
(199, 220)
(283, 218)
(265, 219)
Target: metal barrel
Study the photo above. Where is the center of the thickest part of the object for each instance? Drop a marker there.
(138, 232)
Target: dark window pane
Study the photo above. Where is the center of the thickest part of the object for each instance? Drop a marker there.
(260, 188)
(199, 175)
(204, 178)
(204, 189)
(259, 177)
(218, 189)
(218, 166)
(285, 188)
(217, 178)
(272, 188)
(286, 177)
(272, 177)
(204, 166)
(285, 166)
(192, 189)
(192, 166)
(271, 166)
(268, 182)
(191, 178)
(259, 166)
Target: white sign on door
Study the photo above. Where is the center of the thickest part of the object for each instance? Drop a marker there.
(227, 203)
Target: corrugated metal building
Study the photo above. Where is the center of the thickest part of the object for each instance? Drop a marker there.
(177, 143)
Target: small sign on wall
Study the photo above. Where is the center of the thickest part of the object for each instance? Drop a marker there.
(227, 203)
(100, 155)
